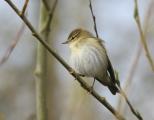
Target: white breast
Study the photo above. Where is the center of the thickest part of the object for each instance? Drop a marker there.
(89, 60)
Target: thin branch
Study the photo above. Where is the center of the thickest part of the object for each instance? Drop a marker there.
(142, 36)
(95, 26)
(46, 5)
(102, 100)
(13, 44)
(134, 63)
(135, 112)
(24, 7)
(50, 16)
(94, 18)
(121, 91)
(130, 75)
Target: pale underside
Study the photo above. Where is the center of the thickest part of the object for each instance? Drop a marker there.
(90, 59)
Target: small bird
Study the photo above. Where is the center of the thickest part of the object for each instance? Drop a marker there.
(89, 58)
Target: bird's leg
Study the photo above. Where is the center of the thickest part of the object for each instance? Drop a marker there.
(92, 87)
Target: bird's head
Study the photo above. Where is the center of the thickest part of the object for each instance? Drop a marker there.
(77, 35)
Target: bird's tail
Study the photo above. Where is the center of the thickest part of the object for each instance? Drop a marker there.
(110, 84)
(113, 88)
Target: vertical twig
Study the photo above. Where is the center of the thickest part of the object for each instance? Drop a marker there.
(13, 44)
(46, 4)
(50, 17)
(40, 73)
(94, 18)
(41, 64)
(24, 7)
(142, 36)
(95, 26)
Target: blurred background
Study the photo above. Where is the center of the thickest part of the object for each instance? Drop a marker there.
(66, 100)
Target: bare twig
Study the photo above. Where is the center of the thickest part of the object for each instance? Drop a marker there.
(50, 16)
(13, 44)
(102, 100)
(135, 112)
(24, 7)
(121, 91)
(142, 36)
(46, 5)
(95, 26)
(94, 18)
(130, 75)
(134, 63)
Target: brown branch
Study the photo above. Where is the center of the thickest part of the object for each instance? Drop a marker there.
(94, 18)
(24, 7)
(102, 100)
(13, 44)
(142, 36)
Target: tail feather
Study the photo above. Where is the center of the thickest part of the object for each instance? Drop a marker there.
(110, 84)
(113, 88)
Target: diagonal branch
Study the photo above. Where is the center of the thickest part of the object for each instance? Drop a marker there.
(131, 73)
(13, 44)
(135, 112)
(142, 36)
(102, 100)
(24, 7)
(94, 18)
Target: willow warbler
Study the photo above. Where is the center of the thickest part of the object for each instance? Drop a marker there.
(89, 58)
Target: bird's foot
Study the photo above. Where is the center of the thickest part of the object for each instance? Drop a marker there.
(92, 87)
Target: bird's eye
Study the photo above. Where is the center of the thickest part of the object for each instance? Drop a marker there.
(75, 35)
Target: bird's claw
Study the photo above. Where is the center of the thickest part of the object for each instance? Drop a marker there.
(91, 89)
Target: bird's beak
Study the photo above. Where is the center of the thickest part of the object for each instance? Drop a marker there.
(66, 42)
